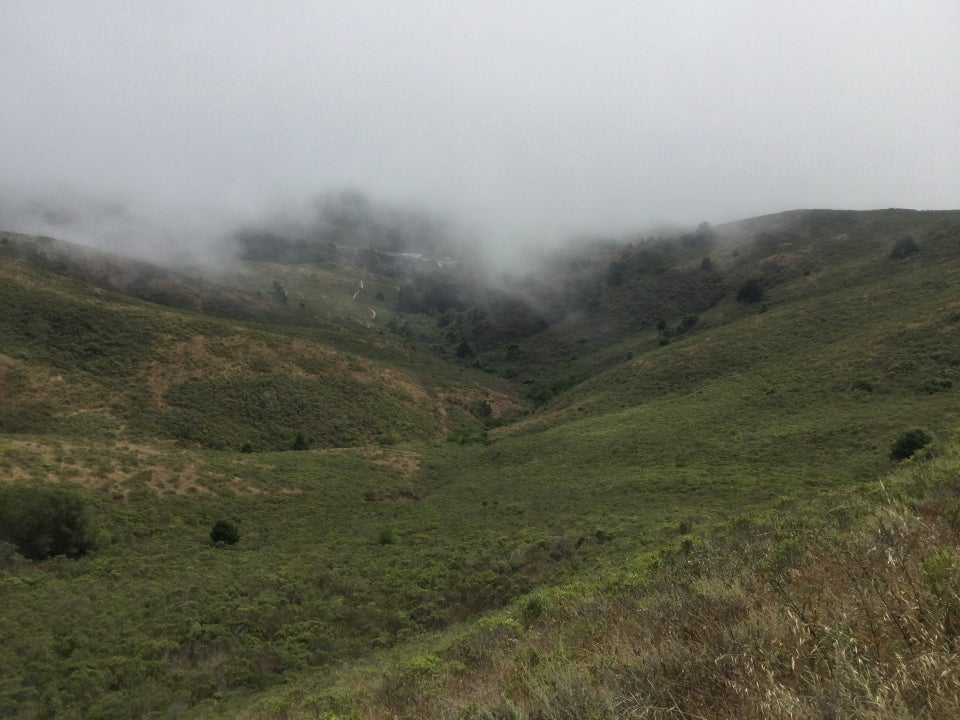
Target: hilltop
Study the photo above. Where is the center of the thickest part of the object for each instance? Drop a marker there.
(416, 452)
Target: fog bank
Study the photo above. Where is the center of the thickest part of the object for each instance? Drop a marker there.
(525, 123)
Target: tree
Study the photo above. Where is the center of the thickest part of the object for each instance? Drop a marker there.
(908, 443)
(224, 532)
(43, 522)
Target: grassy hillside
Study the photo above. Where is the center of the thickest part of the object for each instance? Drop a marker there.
(433, 528)
(846, 607)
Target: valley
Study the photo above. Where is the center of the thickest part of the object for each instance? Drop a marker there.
(448, 481)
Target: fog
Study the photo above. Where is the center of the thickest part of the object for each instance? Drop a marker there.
(156, 127)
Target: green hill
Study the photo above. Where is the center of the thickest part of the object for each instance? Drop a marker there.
(431, 474)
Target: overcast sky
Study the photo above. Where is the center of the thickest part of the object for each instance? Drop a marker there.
(525, 120)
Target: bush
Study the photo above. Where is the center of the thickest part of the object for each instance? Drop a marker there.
(750, 292)
(903, 247)
(386, 537)
(44, 522)
(908, 443)
(225, 532)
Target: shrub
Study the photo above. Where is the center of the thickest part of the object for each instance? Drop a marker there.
(224, 532)
(934, 385)
(279, 292)
(908, 443)
(386, 537)
(750, 292)
(44, 522)
(300, 443)
(903, 247)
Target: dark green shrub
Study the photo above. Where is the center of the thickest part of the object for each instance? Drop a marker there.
(300, 443)
(464, 349)
(934, 385)
(386, 537)
(225, 532)
(908, 443)
(540, 394)
(279, 292)
(750, 292)
(863, 384)
(903, 247)
(44, 522)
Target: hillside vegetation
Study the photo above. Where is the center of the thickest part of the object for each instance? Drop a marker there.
(640, 483)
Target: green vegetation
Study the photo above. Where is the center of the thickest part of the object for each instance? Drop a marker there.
(846, 608)
(750, 292)
(570, 520)
(904, 247)
(224, 531)
(908, 443)
(43, 522)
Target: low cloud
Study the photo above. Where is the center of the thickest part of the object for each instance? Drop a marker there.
(158, 130)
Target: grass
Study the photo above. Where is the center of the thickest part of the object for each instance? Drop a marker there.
(849, 611)
(518, 567)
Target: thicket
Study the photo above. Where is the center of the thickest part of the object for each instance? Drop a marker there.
(271, 411)
(71, 335)
(751, 291)
(224, 532)
(904, 247)
(43, 522)
(908, 443)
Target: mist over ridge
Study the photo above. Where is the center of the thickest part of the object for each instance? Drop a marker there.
(160, 131)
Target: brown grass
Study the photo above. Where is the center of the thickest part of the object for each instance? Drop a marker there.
(118, 468)
(406, 462)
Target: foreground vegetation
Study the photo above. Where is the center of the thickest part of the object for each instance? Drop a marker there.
(850, 611)
(644, 492)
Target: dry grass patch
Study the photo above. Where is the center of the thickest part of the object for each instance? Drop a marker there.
(406, 462)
